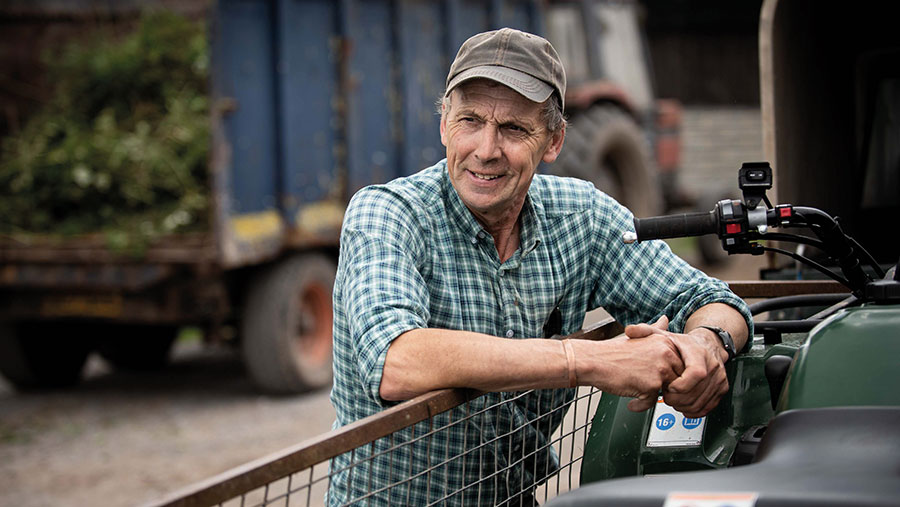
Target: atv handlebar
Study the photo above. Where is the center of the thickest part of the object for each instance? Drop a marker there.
(741, 224)
(730, 219)
(676, 226)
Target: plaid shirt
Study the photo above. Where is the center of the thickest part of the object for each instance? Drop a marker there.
(413, 256)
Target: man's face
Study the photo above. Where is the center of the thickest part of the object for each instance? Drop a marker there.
(495, 139)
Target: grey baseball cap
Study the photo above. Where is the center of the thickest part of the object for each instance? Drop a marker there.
(522, 61)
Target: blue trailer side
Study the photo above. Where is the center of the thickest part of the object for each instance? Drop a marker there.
(320, 98)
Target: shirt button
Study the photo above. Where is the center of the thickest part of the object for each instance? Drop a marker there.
(474, 241)
(509, 333)
(481, 235)
(500, 273)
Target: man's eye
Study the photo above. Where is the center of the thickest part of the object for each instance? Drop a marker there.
(514, 128)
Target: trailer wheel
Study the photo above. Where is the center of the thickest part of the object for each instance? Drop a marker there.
(606, 147)
(286, 328)
(135, 348)
(42, 355)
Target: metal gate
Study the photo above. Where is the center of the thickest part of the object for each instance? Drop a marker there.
(302, 474)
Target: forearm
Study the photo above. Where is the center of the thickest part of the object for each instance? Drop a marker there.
(423, 360)
(723, 316)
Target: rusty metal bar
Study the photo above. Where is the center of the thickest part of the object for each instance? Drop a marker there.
(258, 473)
(186, 248)
(601, 330)
(777, 288)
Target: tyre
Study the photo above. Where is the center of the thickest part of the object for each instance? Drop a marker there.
(286, 325)
(135, 348)
(43, 354)
(605, 146)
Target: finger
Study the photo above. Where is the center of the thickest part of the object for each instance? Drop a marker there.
(641, 404)
(711, 398)
(645, 330)
(662, 323)
(702, 399)
(699, 368)
(691, 405)
(697, 365)
(705, 409)
(640, 330)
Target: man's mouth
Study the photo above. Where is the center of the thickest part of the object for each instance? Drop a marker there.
(486, 177)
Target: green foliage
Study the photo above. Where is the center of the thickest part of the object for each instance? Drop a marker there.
(121, 148)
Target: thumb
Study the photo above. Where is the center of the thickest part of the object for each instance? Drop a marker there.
(645, 330)
(641, 403)
(662, 323)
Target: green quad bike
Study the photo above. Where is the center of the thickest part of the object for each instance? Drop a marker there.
(813, 414)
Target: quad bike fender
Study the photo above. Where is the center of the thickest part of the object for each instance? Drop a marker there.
(850, 359)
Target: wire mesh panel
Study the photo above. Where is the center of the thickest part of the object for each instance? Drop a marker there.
(448, 447)
(307, 487)
(518, 464)
(474, 454)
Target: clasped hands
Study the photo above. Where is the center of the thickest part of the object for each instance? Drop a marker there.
(687, 369)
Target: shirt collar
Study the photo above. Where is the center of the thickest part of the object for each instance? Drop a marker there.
(530, 233)
(532, 224)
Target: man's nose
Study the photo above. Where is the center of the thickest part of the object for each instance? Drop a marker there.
(488, 144)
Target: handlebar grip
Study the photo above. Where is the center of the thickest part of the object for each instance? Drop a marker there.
(676, 226)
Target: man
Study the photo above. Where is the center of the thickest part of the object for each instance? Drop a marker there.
(450, 277)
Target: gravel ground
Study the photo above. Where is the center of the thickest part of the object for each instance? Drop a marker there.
(125, 439)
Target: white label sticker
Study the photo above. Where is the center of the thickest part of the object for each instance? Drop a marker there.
(710, 500)
(670, 428)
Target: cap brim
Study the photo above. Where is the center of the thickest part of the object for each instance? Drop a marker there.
(528, 86)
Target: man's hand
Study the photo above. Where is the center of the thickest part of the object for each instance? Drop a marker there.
(702, 383)
(632, 368)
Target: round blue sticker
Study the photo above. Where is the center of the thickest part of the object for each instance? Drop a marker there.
(665, 421)
(690, 424)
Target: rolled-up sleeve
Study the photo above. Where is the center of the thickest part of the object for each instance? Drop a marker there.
(642, 281)
(382, 291)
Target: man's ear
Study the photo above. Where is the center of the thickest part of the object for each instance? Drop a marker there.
(444, 122)
(555, 146)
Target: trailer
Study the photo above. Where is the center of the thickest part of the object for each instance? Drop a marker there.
(310, 101)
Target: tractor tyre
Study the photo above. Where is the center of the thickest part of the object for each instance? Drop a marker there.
(286, 325)
(604, 145)
(41, 355)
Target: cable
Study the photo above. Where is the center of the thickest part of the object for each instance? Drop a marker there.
(795, 238)
(843, 281)
(818, 228)
(780, 303)
(871, 260)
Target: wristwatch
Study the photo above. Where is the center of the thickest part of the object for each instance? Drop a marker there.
(727, 340)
